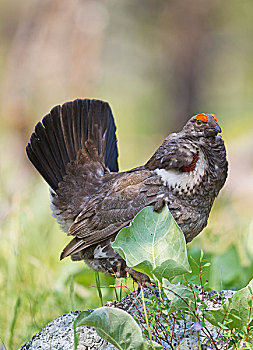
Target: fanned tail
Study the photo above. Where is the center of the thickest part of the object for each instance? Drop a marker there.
(79, 125)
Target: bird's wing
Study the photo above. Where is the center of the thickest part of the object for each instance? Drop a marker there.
(174, 153)
(122, 197)
(111, 209)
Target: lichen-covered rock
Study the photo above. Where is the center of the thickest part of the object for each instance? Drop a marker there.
(59, 334)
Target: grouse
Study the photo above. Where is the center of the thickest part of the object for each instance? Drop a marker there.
(75, 151)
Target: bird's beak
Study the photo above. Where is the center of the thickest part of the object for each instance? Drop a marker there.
(217, 128)
(214, 125)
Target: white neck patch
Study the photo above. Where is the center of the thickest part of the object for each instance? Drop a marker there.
(183, 180)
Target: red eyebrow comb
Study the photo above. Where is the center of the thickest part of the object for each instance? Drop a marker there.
(203, 117)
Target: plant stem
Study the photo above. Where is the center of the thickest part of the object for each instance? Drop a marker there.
(71, 292)
(146, 318)
(249, 320)
(76, 336)
(201, 283)
(199, 345)
(223, 320)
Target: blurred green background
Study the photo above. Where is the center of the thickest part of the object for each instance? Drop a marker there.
(157, 63)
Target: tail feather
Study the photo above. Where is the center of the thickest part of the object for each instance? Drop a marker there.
(46, 150)
(57, 129)
(77, 108)
(54, 144)
(36, 147)
(84, 122)
(66, 124)
(73, 247)
(68, 129)
(36, 162)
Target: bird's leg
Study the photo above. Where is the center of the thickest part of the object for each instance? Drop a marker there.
(138, 277)
(159, 204)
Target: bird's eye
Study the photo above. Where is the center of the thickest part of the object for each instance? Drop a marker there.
(199, 122)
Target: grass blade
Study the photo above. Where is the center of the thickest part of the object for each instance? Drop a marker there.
(99, 288)
(14, 320)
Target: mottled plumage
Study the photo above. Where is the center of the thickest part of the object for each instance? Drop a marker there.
(75, 150)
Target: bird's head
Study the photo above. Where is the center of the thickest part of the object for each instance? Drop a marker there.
(202, 125)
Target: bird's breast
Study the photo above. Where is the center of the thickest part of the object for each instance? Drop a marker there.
(184, 180)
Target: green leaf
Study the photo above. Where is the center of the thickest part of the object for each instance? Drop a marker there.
(181, 296)
(238, 310)
(249, 345)
(153, 244)
(206, 264)
(117, 327)
(223, 326)
(201, 255)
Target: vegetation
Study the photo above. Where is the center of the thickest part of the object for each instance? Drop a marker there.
(37, 288)
(148, 233)
(157, 63)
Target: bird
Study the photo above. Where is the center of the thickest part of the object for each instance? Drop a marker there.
(74, 149)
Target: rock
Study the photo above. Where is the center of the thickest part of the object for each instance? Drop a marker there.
(59, 334)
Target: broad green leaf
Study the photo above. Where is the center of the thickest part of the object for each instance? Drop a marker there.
(117, 327)
(237, 310)
(181, 296)
(153, 244)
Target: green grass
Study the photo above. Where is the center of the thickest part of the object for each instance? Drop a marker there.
(35, 286)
